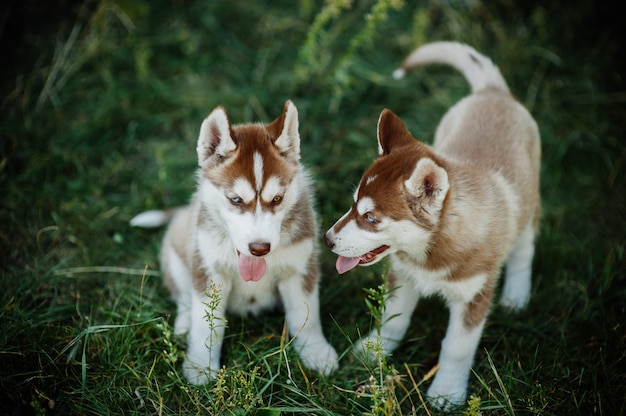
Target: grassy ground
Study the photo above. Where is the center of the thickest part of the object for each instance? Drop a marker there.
(100, 113)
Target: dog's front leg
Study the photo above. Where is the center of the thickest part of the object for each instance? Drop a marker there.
(206, 333)
(303, 321)
(449, 388)
(398, 308)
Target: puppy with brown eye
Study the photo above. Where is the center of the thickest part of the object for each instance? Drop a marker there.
(249, 232)
(450, 216)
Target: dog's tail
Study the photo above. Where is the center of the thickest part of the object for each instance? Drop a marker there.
(153, 219)
(479, 71)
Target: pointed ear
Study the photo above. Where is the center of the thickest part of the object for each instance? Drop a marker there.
(215, 136)
(285, 129)
(429, 185)
(392, 133)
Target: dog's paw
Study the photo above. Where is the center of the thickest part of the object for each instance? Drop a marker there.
(198, 375)
(514, 302)
(320, 357)
(446, 396)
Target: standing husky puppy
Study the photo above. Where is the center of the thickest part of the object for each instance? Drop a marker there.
(449, 216)
(250, 233)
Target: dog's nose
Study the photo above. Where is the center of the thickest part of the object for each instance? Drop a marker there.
(259, 249)
(328, 243)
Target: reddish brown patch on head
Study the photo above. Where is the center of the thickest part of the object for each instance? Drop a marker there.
(253, 139)
(384, 181)
(392, 133)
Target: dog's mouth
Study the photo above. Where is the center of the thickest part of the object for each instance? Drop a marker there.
(251, 269)
(345, 264)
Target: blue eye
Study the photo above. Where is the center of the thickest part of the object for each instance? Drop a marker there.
(370, 219)
(236, 200)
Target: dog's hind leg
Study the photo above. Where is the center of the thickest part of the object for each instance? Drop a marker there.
(517, 279)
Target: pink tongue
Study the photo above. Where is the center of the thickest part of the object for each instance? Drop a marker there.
(346, 263)
(251, 268)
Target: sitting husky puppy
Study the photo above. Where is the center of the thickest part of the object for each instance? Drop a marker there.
(250, 233)
(449, 216)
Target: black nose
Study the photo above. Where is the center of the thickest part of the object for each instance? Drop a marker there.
(328, 243)
(259, 249)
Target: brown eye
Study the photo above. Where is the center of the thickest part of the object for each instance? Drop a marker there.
(277, 200)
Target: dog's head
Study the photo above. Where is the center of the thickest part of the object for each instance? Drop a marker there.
(245, 182)
(398, 203)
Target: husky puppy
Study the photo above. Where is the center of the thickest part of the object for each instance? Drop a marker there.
(451, 215)
(248, 233)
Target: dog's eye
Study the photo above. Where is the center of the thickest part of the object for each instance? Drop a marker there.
(277, 200)
(235, 200)
(370, 219)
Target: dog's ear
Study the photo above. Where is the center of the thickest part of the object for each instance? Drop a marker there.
(285, 131)
(216, 138)
(428, 187)
(392, 133)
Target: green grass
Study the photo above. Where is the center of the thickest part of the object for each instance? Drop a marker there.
(101, 108)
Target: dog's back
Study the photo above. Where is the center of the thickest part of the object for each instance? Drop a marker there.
(449, 216)
(488, 128)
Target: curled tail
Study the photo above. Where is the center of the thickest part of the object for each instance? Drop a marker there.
(479, 71)
(153, 219)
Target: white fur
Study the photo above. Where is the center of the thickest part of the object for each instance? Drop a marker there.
(217, 121)
(479, 76)
(289, 139)
(258, 171)
(517, 279)
(150, 219)
(272, 189)
(207, 236)
(365, 205)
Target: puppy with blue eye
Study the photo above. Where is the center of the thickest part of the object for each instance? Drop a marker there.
(250, 232)
(449, 216)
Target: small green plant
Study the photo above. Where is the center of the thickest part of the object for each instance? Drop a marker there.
(235, 391)
(313, 57)
(373, 22)
(214, 295)
(473, 406)
(310, 51)
(381, 386)
(375, 301)
(170, 353)
(212, 316)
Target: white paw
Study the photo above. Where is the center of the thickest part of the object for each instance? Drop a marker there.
(514, 302)
(445, 395)
(196, 374)
(320, 357)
